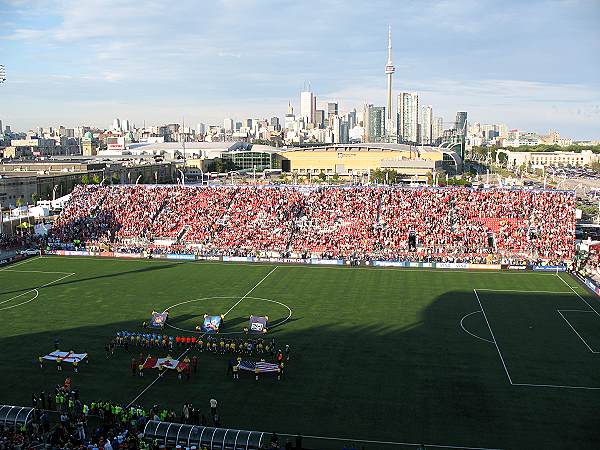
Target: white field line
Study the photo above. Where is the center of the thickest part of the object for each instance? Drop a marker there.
(32, 290)
(20, 263)
(409, 444)
(577, 294)
(467, 331)
(183, 354)
(155, 380)
(250, 291)
(37, 271)
(558, 386)
(493, 337)
(553, 386)
(524, 292)
(576, 332)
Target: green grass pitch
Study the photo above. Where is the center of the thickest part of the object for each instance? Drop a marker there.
(464, 359)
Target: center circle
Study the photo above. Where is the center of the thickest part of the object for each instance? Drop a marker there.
(272, 323)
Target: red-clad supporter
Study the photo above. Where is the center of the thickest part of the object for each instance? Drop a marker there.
(448, 224)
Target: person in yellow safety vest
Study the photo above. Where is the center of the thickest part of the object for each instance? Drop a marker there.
(41, 362)
(141, 370)
(236, 373)
(75, 367)
(59, 364)
(179, 370)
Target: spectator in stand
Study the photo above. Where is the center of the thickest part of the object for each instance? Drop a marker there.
(361, 223)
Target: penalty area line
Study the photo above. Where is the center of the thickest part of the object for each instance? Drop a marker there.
(493, 337)
(577, 294)
(20, 263)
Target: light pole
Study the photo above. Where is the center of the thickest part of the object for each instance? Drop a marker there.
(138, 179)
(182, 177)
(54, 192)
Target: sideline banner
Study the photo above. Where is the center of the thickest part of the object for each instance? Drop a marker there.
(390, 264)
(76, 253)
(127, 255)
(451, 265)
(328, 262)
(6, 260)
(549, 268)
(182, 257)
(485, 266)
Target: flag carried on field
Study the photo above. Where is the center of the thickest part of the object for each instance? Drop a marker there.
(258, 366)
(258, 324)
(165, 363)
(67, 357)
(159, 320)
(212, 324)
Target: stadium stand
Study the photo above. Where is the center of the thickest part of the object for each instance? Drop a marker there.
(448, 224)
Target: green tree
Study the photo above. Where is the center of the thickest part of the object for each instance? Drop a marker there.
(34, 198)
(85, 179)
(115, 178)
(19, 202)
(96, 179)
(335, 177)
(322, 176)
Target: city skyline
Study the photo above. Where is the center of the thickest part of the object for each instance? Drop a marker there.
(73, 64)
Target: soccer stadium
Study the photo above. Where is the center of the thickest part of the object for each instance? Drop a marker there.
(315, 317)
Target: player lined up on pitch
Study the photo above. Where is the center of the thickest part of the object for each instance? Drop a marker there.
(211, 344)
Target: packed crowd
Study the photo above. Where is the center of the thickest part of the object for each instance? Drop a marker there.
(447, 224)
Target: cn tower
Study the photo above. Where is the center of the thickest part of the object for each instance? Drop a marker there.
(389, 70)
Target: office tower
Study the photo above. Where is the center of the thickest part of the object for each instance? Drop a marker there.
(376, 124)
(426, 124)
(408, 111)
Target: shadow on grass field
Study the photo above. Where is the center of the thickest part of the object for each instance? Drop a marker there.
(392, 379)
(143, 270)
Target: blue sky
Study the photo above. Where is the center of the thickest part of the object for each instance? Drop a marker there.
(530, 64)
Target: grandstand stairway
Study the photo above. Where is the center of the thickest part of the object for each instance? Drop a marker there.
(181, 234)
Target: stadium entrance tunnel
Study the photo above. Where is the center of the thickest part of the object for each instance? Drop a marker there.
(171, 434)
(15, 416)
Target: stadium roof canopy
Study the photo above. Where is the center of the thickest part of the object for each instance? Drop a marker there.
(171, 434)
(14, 416)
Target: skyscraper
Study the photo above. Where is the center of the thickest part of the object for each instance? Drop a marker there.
(408, 112)
(461, 123)
(376, 124)
(320, 118)
(389, 70)
(352, 119)
(437, 129)
(275, 123)
(307, 106)
(332, 110)
(228, 125)
(427, 125)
